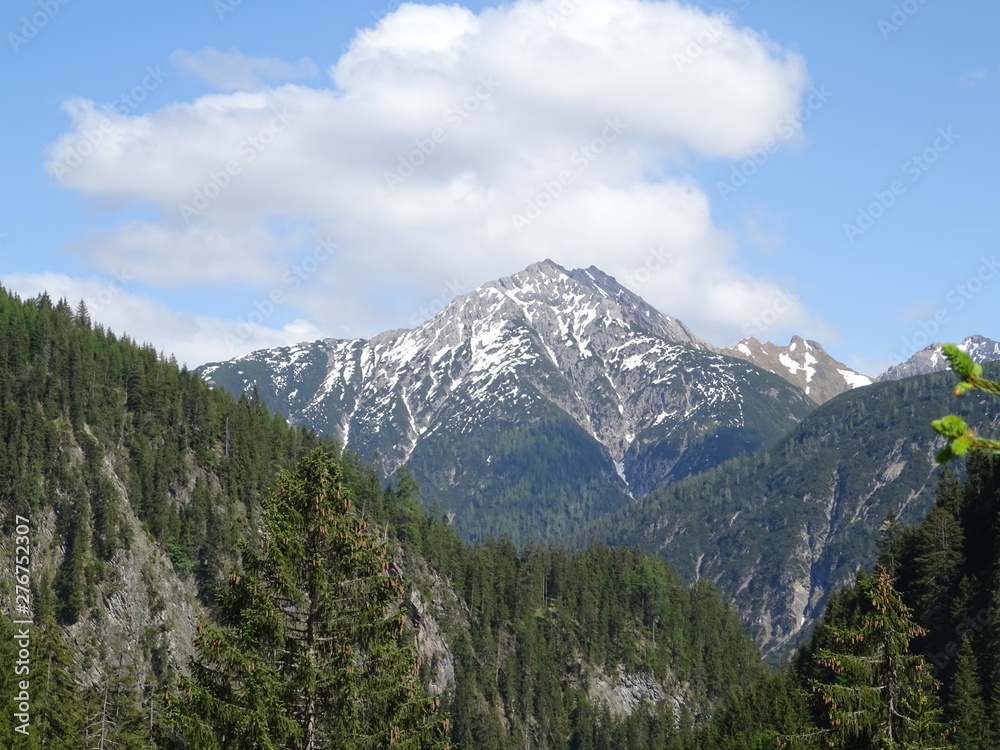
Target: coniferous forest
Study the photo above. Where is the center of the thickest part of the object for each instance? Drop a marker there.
(202, 575)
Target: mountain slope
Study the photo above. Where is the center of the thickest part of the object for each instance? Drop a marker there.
(780, 530)
(531, 404)
(929, 359)
(802, 363)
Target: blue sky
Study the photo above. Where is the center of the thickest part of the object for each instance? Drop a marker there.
(215, 177)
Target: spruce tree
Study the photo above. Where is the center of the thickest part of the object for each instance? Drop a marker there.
(56, 712)
(877, 694)
(311, 649)
(965, 708)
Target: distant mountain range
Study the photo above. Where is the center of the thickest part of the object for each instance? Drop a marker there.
(930, 359)
(533, 404)
(543, 400)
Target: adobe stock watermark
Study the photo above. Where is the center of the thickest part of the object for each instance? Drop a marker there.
(291, 280)
(24, 620)
(219, 179)
(656, 260)
(564, 10)
(708, 35)
(452, 288)
(455, 116)
(365, 36)
(900, 16)
(758, 325)
(112, 289)
(914, 168)
(75, 156)
(786, 127)
(956, 299)
(581, 158)
(223, 8)
(33, 24)
(970, 626)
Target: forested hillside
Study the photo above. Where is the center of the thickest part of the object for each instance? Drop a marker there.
(136, 480)
(910, 650)
(947, 571)
(139, 482)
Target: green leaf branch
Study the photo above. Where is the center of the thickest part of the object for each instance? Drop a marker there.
(962, 437)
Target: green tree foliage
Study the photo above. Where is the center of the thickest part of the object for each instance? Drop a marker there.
(99, 437)
(310, 649)
(122, 451)
(545, 626)
(966, 709)
(117, 448)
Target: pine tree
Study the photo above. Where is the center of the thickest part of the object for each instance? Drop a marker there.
(311, 650)
(56, 712)
(966, 709)
(75, 575)
(938, 566)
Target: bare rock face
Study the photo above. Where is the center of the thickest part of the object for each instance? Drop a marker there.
(802, 363)
(624, 692)
(432, 647)
(930, 359)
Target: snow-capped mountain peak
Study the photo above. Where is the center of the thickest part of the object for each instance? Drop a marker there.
(570, 358)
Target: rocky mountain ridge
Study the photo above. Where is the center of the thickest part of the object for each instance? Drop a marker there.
(804, 363)
(572, 357)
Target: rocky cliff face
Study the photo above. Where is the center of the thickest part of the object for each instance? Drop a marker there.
(144, 612)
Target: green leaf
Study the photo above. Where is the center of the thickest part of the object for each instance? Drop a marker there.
(951, 426)
(960, 446)
(945, 455)
(959, 361)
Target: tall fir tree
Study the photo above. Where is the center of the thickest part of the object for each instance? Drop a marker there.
(877, 695)
(966, 709)
(311, 649)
